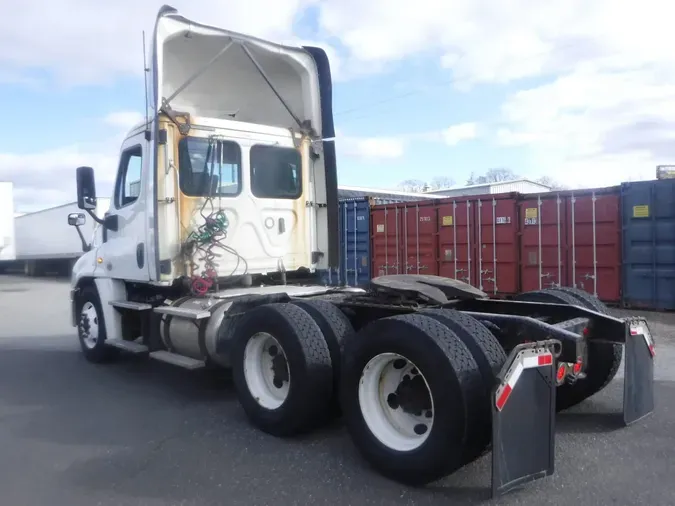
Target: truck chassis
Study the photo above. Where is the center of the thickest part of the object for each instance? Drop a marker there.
(428, 373)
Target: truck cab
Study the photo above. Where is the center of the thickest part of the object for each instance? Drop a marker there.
(233, 171)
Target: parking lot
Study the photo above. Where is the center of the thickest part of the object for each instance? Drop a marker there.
(134, 432)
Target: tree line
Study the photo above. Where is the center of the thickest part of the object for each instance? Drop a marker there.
(491, 176)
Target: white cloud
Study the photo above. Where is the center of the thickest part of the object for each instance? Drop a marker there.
(123, 119)
(47, 178)
(389, 147)
(461, 132)
(92, 42)
(606, 115)
(371, 148)
(594, 127)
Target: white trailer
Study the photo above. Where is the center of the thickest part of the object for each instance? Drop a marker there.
(7, 236)
(45, 243)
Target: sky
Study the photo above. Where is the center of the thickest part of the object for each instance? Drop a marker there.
(582, 92)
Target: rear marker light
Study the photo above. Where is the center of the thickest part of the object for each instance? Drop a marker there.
(562, 371)
(541, 358)
(577, 367)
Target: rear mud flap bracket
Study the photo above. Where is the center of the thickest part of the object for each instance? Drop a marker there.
(638, 385)
(523, 416)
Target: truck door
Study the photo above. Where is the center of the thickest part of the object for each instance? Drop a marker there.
(125, 251)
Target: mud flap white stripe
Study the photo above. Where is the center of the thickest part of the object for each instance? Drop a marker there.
(523, 427)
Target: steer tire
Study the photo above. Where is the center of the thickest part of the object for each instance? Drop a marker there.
(334, 326)
(453, 379)
(307, 404)
(604, 359)
(490, 358)
(100, 352)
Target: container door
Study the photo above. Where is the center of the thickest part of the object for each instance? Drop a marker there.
(594, 240)
(497, 247)
(420, 240)
(455, 235)
(355, 242)
(542, 243)
(648, 244)
(387, 230)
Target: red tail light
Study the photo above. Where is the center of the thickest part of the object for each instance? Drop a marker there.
(562, 371)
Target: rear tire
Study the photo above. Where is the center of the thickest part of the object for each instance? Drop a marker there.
(281, 368)
(490, 358)
(388, 431)
(604, 359)
(334, 326)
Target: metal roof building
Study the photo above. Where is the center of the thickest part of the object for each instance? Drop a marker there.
(516, 185)
(381, 195)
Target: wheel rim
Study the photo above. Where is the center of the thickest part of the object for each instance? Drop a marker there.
(266, 370)
(89, 325)
(396, 402)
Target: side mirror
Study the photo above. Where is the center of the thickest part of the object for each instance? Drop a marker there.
(76, 219)
(86, 188)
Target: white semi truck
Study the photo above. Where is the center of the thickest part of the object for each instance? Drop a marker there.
(225, 207)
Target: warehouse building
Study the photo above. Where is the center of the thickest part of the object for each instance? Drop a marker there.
(382, 196)
(516, 185)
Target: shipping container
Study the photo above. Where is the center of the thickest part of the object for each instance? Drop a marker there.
(648, 212)
(354, 226)
(573, 239)
(404, 238)
(478, 242)
(471, 239)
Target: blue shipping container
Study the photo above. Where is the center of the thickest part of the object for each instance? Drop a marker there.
(648, 210)
(354, 223)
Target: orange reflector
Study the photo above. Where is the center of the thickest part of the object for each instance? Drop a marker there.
(561, 372)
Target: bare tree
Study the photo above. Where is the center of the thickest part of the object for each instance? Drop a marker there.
(441, 182)
(413, 185)
(551, 183)
(492, 176)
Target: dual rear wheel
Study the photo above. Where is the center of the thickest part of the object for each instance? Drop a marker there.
(413, 389)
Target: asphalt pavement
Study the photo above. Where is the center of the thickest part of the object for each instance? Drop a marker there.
(144, 433)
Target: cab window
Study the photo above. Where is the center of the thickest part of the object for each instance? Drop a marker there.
(128, 186)
(275, 172)
(209, 168)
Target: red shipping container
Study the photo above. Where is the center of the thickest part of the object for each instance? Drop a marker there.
(385, 250)
(542, 241)
(594, 242)
(478, 241)
(420, 239)
(455, 240)
(404, 238)
(572, 238)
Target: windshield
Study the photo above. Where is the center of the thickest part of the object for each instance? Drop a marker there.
(275, 172)
(209, 167)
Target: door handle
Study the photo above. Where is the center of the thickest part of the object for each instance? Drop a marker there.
(282, 226)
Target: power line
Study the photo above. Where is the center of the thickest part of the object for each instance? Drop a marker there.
(445, 82)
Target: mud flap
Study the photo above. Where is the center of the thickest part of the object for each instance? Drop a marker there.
(523, 416)
(638, 385)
